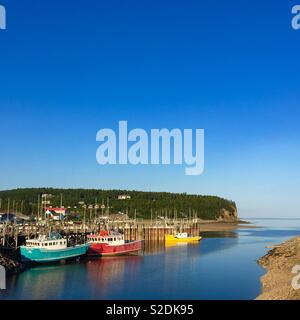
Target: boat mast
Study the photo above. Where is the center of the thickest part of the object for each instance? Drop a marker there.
(96, 208)
(102, 208)
(107, 213)
(61, 199)
(108, 206)
(38, 209)
(8, 205)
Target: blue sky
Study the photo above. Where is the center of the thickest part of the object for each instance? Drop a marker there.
(230, 67)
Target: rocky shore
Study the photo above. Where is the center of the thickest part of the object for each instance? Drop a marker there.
(11, 265)
(279, 281)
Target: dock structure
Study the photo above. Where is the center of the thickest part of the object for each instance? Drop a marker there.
(13, 235)
(157, 233)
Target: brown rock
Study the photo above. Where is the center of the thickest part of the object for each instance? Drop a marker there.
(277, 282)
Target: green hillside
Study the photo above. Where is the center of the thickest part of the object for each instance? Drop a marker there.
(161, 203)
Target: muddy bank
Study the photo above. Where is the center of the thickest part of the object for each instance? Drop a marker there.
(206, 226)
(279, 262)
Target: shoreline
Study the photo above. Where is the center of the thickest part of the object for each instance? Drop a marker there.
(277, 282)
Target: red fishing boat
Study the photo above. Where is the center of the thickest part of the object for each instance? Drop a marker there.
(111, 243)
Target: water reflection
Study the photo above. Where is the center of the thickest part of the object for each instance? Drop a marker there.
(272, 233)
(44, 282)
(153, 247)
(108, 273)
(221, 266)
(219, 234)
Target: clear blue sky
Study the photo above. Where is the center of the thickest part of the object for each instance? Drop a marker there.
(70, 68)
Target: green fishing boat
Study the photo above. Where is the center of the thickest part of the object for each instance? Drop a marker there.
(52, 248)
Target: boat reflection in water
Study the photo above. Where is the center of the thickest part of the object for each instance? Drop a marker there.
(45, 281)
(159, 272)
(87, 279)
(109, 276)
(153, 247)
(169, 245)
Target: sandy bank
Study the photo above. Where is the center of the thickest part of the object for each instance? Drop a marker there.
(279, 262)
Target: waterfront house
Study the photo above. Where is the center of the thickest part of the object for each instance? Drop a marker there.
(56, 213)
(124, 197)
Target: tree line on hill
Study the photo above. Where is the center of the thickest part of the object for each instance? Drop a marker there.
(138, 203)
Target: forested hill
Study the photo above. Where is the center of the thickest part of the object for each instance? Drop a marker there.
(160, 203)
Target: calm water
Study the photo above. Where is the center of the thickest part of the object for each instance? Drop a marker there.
(222, 266)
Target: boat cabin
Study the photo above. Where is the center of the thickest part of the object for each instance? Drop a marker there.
(51, 243)
(111, 239)
(183, 235)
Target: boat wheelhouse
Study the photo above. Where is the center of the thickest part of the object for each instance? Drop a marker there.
(50, 244)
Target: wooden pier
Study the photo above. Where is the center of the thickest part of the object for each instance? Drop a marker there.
(12, 235)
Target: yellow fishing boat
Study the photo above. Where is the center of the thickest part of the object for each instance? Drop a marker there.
(181, 237)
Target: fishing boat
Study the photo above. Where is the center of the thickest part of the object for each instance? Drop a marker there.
(51, 248)
(110, 244)
(181, 237)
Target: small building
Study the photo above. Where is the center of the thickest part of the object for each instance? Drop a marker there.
(8, 217)
(118, 217)
(55, 216)
(56, 213)
(124, 197)
(58, 210)
(11, 218)
(47, 195)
